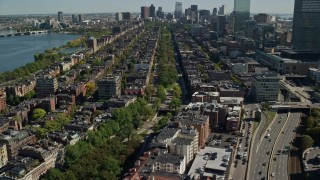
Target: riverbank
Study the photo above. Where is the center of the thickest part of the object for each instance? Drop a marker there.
(19, 53)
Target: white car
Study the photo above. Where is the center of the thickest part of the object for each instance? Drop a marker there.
(272, 174)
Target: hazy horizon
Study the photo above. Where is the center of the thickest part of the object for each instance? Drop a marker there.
(16, 7)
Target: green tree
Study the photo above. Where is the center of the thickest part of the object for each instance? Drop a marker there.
(40, 132)
(314, 133)
(161, 93)
(91, 87)
(315, 112)
(311, 122)
(53, 174)
(157, 103)
(38, 113)
(306, 142)
(58, 123)
(75, 152)
(175, 103)
(177, 91)
(150, 90)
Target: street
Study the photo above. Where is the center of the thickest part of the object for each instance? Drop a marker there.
(239, 165)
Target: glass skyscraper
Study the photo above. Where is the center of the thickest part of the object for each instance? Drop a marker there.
(306, 25)
(242, 14)
(178, 10)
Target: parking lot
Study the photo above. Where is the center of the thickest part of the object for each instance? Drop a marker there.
(221, 140)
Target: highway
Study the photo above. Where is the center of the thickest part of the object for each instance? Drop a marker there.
(279, 167)
(261, 151)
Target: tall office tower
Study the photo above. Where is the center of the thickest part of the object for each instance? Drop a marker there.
(118, 16)
(194, 8)
(306, 25)
(145, 12)
(152, 10)
(178, 10)
(80, 18)
(126, 15)
(60, 16)
(221, 24)
(74, 19)
(221, 10)
(187, 12)
(242, 14)
(160, 13)
(231, 19)
(204, 14)
(250, 28)
(214, 13)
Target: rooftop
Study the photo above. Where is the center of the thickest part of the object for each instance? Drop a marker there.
(204, 162)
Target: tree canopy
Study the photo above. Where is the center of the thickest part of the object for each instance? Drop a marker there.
(38, 113)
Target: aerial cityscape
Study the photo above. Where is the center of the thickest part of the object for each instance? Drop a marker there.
(160, 90)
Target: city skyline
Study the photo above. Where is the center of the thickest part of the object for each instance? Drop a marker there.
(12, 7)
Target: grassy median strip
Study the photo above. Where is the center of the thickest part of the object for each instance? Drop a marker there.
(255, 126)
(270, 116)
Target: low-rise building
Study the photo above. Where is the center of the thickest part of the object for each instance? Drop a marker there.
(3, 100)
(157, 163)
(210, 163)
(205, 97)
(3, 155)
(121, 101)
(15, 140)
(284, 65)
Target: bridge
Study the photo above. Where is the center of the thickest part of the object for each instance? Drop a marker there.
(24, 33)
(296, 91)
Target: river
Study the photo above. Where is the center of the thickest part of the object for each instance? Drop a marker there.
(19, 50)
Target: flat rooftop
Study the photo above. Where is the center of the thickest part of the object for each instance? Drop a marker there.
(203, 164)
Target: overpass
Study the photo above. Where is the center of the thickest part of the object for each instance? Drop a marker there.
(292, 107)
(24, 33)
(296, 91)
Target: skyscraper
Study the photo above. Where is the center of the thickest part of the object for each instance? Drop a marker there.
(145, 12)
(194, 8)
(221, 10)
(242, 14)
(126, 16)
(160, 13)
(60, 16)
(74, 19)
(250, 28)
(306, 25)
(221, 25)
(214, 13)
(152, 11)
(80, 18)
(118, 16)
(178, 10)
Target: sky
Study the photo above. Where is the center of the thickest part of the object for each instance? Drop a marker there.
(9, 7)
